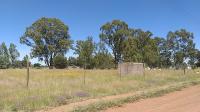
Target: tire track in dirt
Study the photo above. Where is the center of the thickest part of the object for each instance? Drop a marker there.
(187, 100)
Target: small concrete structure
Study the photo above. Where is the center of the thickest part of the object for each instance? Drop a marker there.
(130, 68)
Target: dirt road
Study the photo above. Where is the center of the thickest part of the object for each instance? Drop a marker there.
(187, 100)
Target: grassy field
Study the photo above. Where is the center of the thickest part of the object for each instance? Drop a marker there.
(58, 87)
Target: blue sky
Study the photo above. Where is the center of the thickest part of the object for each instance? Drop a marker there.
(84, 17)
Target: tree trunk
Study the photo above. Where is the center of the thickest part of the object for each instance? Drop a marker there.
(115, 61)
(51, 62)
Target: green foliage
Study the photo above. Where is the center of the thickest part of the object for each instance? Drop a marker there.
(24, 61)
(8, 57)
(113, 34)
(140, 47)
(17, 64)
(48, 37)
(37, 65)
(151, 55)
(158, 52)
(181, 46)
(163, 53)
(136, 45)
(143, 39)
(60, 62)
(72, 61)
(4, 56)
(103, 59)
(3, 63)
(198, 58)
(14, 54)
(131, 51)
(193, 58)
(85, 50)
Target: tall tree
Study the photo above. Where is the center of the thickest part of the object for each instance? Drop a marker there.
(163, 52)
(131, 52)
(4, 56)
(85, 50)
(140, 47)
(48, 37)
(181, 46)
(103, 59)
(151, 55)
(113, 34)
(143, 39)
(24, 61)
(194, 58)
(198, 58)
(14, 54)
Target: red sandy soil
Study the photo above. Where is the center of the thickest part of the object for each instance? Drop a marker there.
(71, 106)
(187, 100)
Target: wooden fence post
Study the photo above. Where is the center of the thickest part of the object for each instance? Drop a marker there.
(120, 73)
(84, 75)
(143, 70)
(27, 78)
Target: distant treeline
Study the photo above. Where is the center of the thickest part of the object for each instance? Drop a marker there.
(49, 40)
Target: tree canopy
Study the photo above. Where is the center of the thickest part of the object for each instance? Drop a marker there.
(85, 50)
(103, 58)
(4, 56)
(181, 46)
(114, 34)
(8, 56)
(49, 40)
(47, 37)
(14, 54)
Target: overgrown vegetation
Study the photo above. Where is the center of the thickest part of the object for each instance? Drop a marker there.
(60, 62)
(58, 87)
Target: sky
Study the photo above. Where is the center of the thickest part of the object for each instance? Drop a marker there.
(85, 17)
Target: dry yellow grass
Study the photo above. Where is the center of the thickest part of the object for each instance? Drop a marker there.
(57, 87)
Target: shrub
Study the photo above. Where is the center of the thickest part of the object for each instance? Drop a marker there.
(4, 63)
(37, 65)
(60, 62)
(17, 64)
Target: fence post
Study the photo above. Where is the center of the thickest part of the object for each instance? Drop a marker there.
(120, 71)
(184, 71)
(143, 69)
(84, 72)
(84, 76)
(27, 78)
